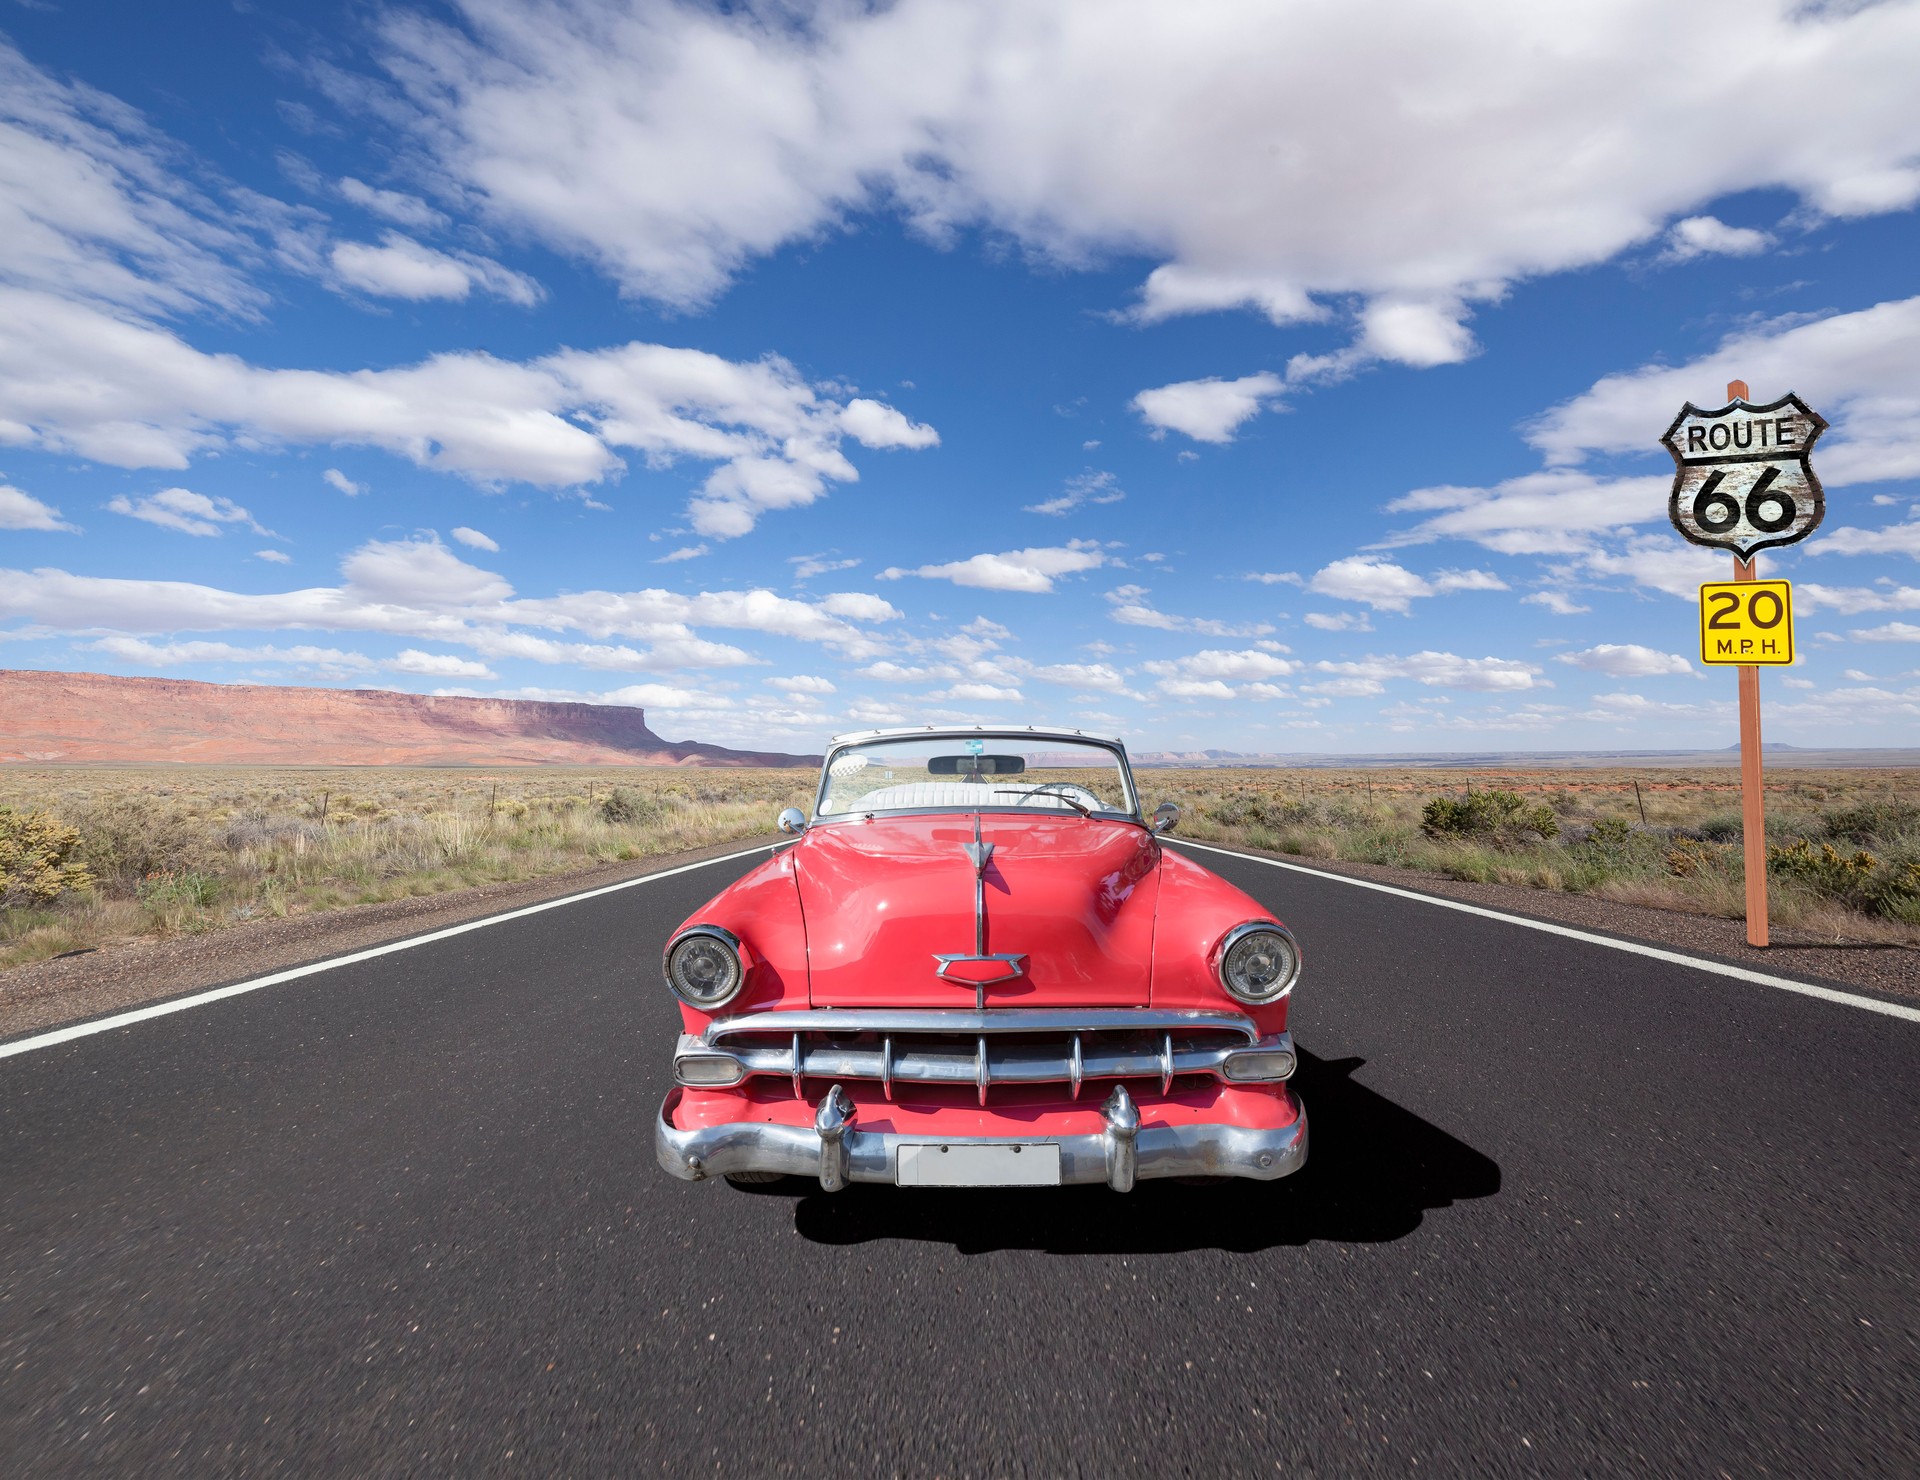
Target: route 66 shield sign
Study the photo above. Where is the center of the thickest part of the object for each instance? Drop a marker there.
(1742, 479)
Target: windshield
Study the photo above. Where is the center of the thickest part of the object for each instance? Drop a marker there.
(977, 772)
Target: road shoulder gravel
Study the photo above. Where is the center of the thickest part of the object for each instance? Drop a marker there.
(133, 972)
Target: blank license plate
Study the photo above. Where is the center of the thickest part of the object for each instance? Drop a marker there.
(1036, 1165)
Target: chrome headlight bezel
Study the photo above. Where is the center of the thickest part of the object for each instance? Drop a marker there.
(726, 939)
(1263, 996)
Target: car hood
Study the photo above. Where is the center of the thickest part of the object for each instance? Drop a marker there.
(1072, 897)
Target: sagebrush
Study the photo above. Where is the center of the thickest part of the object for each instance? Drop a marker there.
(88, 854)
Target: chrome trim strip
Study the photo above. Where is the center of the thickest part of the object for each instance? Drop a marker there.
(941, 732)
(1213, 1149)
(959, 1021)
(955, 1059)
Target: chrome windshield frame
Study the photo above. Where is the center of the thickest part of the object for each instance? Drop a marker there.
(1020, 733)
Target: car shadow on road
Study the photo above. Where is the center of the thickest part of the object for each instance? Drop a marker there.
(1373, 1173)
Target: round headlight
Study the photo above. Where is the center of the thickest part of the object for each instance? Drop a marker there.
(1260, 963)
(703, 966)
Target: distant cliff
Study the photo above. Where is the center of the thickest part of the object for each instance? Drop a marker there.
(74, 718)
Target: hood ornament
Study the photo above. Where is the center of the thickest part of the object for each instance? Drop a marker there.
(980, 970)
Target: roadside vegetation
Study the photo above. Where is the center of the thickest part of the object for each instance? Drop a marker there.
(1843, 846)
(90, 855)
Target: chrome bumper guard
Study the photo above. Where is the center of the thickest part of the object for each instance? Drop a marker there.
(837, 1153)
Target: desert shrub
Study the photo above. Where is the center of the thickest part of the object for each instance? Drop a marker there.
(625, 807)
(1895, 893)
(124, 838)
(1612, 847)
(1857, 878)
(37, 862)
(1721, 827)
(1872, 822)
(177, 900)
(256, 831)
(1825, 870)
(1688, 858)
(1503, 817)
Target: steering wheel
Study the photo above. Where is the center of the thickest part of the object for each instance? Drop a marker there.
(1046, 788)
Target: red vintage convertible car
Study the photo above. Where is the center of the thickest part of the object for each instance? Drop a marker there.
(979, 967)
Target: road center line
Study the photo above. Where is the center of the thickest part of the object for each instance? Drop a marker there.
(1740, 973)
(200, 999)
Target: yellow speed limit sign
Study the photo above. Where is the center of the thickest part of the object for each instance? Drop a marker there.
(1746, 622)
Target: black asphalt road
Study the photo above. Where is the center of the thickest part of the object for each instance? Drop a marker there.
(1569, 1211)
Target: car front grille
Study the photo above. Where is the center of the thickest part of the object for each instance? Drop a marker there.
(1000, 1047)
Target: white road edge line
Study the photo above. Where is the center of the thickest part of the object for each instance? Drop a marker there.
(1740, 973)
(200, 999)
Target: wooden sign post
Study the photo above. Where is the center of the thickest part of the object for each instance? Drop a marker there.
(1753, 804)
(1743, 481)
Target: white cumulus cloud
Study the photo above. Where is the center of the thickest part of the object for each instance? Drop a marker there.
(1034, 569)
(1891, 632)
(671, 145)
(438, 665)
(184, 510)
(1443, 670)
(1860, 370)
(1129, 607)
(400, 267)
(393, 205)
(21, 510)
(1211, 410)
(1704, 236)
(1387, 587)
(1220, 663)
(876, 424)
(74, 379)
(1627, 660)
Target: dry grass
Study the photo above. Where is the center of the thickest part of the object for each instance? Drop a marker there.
(180, 851)
(1666, 838)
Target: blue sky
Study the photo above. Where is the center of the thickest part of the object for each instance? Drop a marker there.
(1268, 377)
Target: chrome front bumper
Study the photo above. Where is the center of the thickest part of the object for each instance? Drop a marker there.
(836, 1152)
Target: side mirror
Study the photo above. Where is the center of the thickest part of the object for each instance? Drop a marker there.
(1165, 816)
(791, 820)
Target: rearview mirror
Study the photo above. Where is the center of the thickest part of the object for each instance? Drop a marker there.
(791, 820)
(976, 765)
(1165, 816)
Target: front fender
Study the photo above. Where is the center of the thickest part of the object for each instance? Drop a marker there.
(1198, 908)
(763, 908)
